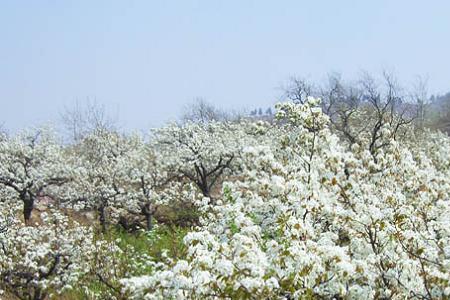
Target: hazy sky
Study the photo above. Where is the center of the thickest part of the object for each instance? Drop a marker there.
(146, 59)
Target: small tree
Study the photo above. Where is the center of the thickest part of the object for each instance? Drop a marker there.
(102, 168)
(30, 163)
(148, 178)
(202, 153)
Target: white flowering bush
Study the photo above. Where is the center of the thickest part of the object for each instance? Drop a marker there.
(112, 259)
(309, 219)
(38, 261)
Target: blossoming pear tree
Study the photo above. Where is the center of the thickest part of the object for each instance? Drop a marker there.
(200, 152)
(103, 166)
(149, 182)
(30, 163)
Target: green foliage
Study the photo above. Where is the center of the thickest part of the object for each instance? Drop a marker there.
(167, 239)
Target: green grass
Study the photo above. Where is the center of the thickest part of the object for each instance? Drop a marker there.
(153, 244)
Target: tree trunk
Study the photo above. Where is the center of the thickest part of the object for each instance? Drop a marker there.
(148, 222)
(39, 295)
(203, 185)
(102, 217)
(28, 205)
(147, 212)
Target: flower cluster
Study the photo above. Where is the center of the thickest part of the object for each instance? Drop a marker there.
(49, 258)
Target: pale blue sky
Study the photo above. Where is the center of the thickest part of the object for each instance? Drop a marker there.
(146, 59)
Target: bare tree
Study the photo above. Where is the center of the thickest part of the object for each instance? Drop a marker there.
(338, 96)
(343, 110)
(298, 90)
(364, 107)
(421, 100)
(388, 106)
(83, 118)
(201, 111)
